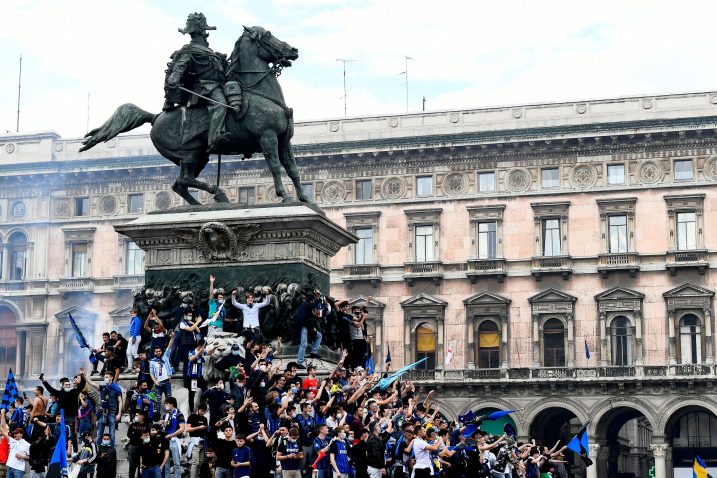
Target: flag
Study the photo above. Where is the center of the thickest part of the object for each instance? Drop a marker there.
(58, 462)
(388, 356)
(369, 364)
(498, 414)
(467, 418)
(579, 444)
(699, 469)
(213, 317)
(11, 392)
(510, 430)
(78, 334)
(587, 350)
(469, 430)
(384, 383)
(449, 354)
(319, 457)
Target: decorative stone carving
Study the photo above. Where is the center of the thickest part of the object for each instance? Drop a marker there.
(711, 168)
(647, 103)
(108, 205)
(583, 176)
(713, 99)
(59, 147)
(518, 180)
(517, 113)
(650, 172)
(334, 126)
(455, 184)
(112, 143)
(581, 108)
(333, 192)
(218, 241)
(61, 208)
(393, 188)
(393, 122)
(453, 117)
(10, 148)
(162, 201)
(18, 210)
(659, 450)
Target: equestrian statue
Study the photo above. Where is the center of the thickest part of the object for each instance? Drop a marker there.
(218, 105)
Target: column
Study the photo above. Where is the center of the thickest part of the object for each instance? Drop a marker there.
(603, 340)
(659, 452)
(709, 359)
(672, 352)
(592, 471)
(571, 340)
(536, 340)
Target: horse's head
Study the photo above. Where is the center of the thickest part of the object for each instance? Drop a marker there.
(271, 49)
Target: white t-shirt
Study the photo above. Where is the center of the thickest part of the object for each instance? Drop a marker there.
(423, 456)
(17, 447)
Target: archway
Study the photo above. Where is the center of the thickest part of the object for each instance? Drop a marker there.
(496, 427)
(691, 430)
(624, 433)
(557, 423)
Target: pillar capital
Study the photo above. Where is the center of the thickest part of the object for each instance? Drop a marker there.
(659, 450)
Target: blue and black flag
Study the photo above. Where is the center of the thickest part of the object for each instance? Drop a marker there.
(11, 392)
(579, 444)
(58, 462)
(81, 338)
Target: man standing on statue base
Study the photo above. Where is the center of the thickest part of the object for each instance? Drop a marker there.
(198, 68)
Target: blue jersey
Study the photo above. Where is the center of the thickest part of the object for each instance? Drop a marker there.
(241, 455)
(341, 456)
(194, 369)
(287, 448)
(320, 444)
(306, 426)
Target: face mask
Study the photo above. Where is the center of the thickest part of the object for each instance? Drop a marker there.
(136, 419)
(169, 409)
(108, 381)
(294, 390)
(189, 318)
(106, 442)
(235, 352)
(67, 389)
(262, 368)
(220, 385)
(263, 384)
(342, 436)
(146, 440)
(339, 415)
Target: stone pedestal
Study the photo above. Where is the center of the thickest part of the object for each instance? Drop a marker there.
(262, 245)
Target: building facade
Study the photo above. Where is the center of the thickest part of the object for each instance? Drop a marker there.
(551, 258)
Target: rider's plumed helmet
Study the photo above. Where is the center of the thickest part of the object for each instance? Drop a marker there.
(196, 23)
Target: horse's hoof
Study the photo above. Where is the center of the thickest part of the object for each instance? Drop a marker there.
(287, 199)
(221, 197)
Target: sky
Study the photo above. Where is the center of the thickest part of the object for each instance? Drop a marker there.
(466, 54)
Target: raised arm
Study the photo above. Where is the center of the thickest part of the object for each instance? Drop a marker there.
(211, 286)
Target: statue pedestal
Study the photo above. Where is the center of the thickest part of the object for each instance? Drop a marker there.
(261, 245)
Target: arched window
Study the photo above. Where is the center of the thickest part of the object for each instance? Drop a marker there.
(690, 339)
(8, 339)
(426, 341)
(621, 334)
(17, 248)
(553, 343)
(488, 345)
(695, 429)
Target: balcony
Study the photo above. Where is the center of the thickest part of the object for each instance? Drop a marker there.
(692, 259)
(541, 265)
(423, 270)
(127, 282)
(13, 286)
(478, 268)
(361, 273)
(626, 261)
(76, 284)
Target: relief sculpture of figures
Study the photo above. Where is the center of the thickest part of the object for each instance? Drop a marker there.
(218, 105)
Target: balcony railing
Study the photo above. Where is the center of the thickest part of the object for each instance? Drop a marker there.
(627, 261)
(362, 272)
(127, 281)
(13, 286)
(486, 267)
(423, 270)
(695, 258)
(72, 284)
(551, 265)
(580, 374)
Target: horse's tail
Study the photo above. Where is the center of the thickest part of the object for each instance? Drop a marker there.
(126, 118)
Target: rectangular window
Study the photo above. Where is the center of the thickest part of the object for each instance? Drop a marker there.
(683, 170)
(79, 259)
(135, 203)
(364, 246)
(487, 240)
(134, 264)
(424, 186)
(364, 189)
(308, 190)
(616, 174)
(551, 237)
(549, 178)
(424, 243)
(686, 231)
(82, 207)
(618, 233)
(486, 182)
(247, 196)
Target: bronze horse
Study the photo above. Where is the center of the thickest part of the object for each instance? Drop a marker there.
(265, 124)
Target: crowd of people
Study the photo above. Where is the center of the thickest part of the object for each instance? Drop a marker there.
(256, 417)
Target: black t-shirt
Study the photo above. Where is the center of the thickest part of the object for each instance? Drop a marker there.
(224, 449)
(196, 420)
(152, 453)
(135, 431)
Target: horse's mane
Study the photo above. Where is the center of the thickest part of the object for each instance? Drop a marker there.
(234, 64)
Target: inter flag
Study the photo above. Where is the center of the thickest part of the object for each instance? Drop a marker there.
(699, 469)
(467, 418)
(384, 383)
(81, 338)
(579, 444)
(498, 414)
(587, 350)
(11, 392)
(58, 462)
